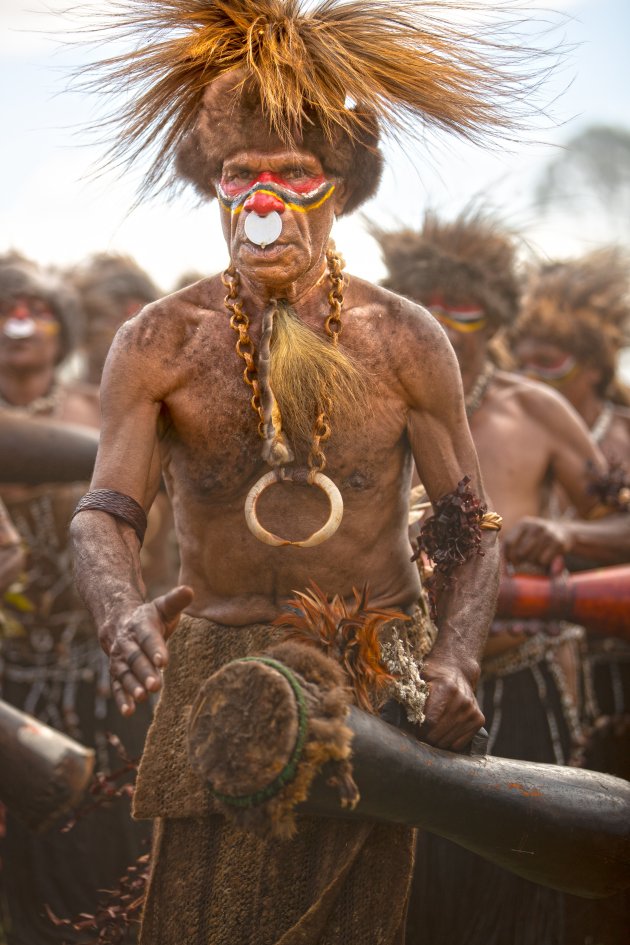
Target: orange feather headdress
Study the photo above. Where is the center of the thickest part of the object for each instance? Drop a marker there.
(329, 76)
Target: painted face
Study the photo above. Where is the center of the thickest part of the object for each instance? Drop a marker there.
(461, 318)
(465, 326)
(546, 362)
(29, 333)
(25, 316)
(277, 210)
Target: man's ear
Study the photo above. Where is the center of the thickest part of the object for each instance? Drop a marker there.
(340, 197)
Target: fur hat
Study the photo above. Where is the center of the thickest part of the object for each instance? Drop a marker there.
(583, 306)
(471, 260)
(230, 119)
(21, 276)
(213, 76)
(107, 280)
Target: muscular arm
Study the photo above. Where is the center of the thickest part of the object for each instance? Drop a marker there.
(444, 453)
(574, 457)
(107, 562)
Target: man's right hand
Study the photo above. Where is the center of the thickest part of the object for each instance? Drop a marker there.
(138, 652)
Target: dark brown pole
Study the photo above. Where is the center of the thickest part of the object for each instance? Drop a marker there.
(562, 827)
(34, 451)
(43, 773)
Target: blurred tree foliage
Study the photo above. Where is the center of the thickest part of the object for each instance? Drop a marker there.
(591, 174)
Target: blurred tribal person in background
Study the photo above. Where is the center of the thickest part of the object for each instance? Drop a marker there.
(574, 319)
(112, 288)
(51, 665)
(527, 438)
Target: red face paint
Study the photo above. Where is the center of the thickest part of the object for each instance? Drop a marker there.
(262, 203)
(234, 185)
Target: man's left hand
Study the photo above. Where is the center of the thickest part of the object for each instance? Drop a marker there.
(537, 541)
(453, 716)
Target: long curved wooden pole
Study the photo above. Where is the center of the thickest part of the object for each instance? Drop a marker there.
(35, 451)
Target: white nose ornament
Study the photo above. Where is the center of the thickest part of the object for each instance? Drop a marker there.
(263, 231)
(17, 328)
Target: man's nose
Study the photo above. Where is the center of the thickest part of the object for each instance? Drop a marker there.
(263, 203)
(20, 310)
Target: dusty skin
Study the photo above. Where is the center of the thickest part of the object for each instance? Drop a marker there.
(173, 393)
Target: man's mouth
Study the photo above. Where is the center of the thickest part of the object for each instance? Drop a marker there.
(264, 252)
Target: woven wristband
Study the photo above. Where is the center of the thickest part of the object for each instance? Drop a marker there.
(117, 504)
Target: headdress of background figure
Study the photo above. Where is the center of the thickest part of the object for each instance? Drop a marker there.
(112, 288)
(582, 306)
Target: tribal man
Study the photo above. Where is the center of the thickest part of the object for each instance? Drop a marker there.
(51, 665)
(112, 288)
(275, 111)
(527, 439)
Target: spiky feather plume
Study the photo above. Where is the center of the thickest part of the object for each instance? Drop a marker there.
(348, 634)
(397, 61)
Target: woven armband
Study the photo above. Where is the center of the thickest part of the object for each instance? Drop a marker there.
(117, 504)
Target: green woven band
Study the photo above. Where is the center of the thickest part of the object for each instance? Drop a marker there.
(290, 769)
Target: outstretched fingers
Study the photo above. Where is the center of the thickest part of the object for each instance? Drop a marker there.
(139, 653)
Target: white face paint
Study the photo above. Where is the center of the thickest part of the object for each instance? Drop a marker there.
(263, 231)
(19, 328)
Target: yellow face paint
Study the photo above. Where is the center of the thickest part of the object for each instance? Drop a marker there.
(555, 374)
(464, 319)
(301, 203)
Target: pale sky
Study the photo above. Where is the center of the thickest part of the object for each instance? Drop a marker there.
(52, 211)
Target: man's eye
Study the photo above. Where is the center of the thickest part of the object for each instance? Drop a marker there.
(237, 176)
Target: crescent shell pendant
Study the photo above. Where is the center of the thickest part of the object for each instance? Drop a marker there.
(317, 538)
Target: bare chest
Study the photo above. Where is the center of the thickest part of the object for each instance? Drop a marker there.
(514, 459)
(211, 446)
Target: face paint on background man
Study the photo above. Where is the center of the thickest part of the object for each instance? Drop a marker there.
(555, 373)
(23, 319)
(462, 318)
(266, 199)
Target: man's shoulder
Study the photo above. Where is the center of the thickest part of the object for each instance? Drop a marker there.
(400, 313)
(170, 322)
(542, 404)
(534, 394)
